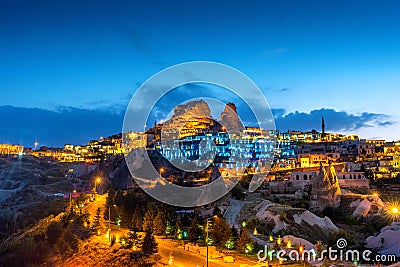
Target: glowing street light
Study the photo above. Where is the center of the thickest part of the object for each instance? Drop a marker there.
(393, 210)
(301, 248)
(96, 181)
(109, 222)
(208, 224)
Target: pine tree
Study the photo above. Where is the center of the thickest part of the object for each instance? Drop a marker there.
(234, 232)
(160, 223)
(133, 240)
(149, 245)
(137, 219)
(194, 230)
(221, 231)
(96, 222)
(245, 243)
(178, 228)
(148, 220)
(217, 212)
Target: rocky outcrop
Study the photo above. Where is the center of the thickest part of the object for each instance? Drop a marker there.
(230, 119)
(189, 118)
(325, 190)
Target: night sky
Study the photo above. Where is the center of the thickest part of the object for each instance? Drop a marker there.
(69, 68)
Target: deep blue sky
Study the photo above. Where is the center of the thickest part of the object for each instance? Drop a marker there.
(79, 62)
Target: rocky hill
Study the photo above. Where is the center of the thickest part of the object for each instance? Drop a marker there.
(230, 119)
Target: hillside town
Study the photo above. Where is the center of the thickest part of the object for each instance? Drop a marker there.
(297, 154)
(322, 187)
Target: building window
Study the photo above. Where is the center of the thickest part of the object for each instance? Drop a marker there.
(297, 177)
(305, 176)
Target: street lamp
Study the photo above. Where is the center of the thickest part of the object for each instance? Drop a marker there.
(70, 198)
(208, 224)
(96, 181)
(161, 181)
(393, 210)
(109, 222)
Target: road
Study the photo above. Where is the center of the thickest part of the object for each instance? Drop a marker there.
(183, 258)
(180, 257)
(100, 202)
(233, 211)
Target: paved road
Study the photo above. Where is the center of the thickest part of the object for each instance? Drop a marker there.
(183, 258)
(233, 211)
(98, 203)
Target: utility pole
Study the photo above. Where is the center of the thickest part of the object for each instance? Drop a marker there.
(109, 222)
(208, 224)
(207, 230)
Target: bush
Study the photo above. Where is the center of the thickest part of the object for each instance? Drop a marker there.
(149, 245)
(263, 227)
(238, 193)
(54, 232)
(334, 236)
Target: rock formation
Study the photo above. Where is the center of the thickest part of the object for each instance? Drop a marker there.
(230, 119)
(188, 119)
(325, 190)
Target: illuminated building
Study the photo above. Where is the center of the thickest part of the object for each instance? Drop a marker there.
(7, 149)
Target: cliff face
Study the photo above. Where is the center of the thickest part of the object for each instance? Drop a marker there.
(230, 119)
(119, 174)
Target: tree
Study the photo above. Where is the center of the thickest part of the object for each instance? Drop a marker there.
(137, 220)
(194, 232)
(133, 240)
(148, 220)
(110, 202)
(283, 217)
(234, 232)
(149, 245)
(178, 228)
(245, 243)
(319, 247)
(217, 212)
(238, 193)
(221, 231)
(160, 223)
(96, 222)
